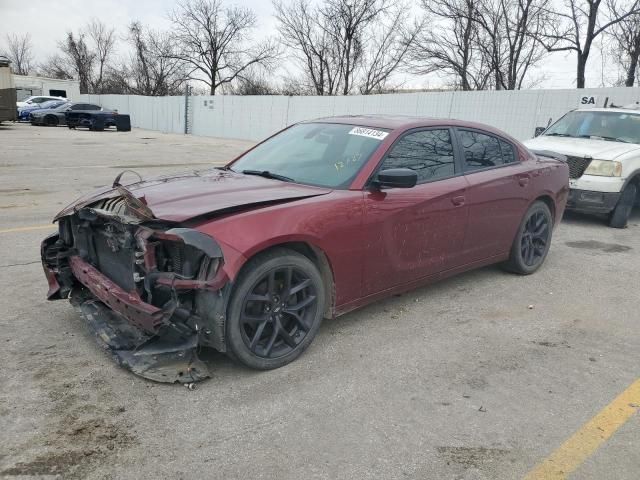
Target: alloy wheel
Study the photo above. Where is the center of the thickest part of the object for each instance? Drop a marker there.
(535, 238)
(278, 312)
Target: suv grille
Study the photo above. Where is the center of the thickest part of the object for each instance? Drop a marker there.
(577, 165)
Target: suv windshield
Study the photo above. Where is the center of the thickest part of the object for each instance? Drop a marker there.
(614, 126)
(322, 154)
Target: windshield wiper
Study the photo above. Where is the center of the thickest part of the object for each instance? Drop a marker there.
(268, 174)
(555, 134)
(610, 139)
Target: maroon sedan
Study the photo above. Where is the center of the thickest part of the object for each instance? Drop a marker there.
(322, 218)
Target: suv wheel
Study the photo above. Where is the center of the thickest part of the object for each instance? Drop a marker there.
(620, 215)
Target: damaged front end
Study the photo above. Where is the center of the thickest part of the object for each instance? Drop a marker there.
(153, 293)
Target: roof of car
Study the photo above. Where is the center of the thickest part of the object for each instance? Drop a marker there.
(403, 122)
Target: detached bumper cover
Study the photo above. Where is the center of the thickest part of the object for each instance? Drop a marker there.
(592, 201)
(170, 358)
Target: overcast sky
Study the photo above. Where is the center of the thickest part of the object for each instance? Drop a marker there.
(48, 20)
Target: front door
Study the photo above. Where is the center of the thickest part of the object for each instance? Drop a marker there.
(415, 232)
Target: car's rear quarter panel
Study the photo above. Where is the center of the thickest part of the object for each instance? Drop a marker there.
(551, 178)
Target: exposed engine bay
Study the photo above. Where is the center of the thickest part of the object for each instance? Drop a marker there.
(152, 292)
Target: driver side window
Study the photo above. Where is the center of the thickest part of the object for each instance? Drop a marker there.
(428, 152)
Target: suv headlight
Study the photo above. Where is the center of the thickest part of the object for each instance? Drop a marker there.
(604, 168)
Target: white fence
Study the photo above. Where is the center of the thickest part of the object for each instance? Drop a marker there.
(255, 117)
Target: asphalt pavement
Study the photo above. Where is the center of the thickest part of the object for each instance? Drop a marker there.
(487, 375)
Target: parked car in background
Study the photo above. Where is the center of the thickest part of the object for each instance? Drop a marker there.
(56, 116)
(322, 218)
(602, 146)
(25, 112)
(37, 99)
(98, 120)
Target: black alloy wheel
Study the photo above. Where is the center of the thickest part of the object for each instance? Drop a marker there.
(51, 121)
(533, 243)
(275, 310)
(533, 239)
(277, 313)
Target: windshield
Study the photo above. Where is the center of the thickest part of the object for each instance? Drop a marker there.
(62, 107)
(614, 126)
(322, 154)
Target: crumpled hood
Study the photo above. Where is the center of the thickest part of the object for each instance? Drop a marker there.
(581, 147)
(181, 197)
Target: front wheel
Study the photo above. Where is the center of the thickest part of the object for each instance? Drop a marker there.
(532, 241)
(51, 121)
(620, 215)
(275, 310)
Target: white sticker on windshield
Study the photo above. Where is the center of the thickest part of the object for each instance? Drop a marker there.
(369, 132)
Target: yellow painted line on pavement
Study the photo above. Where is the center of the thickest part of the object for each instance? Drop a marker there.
(28, 229)
(582, 444)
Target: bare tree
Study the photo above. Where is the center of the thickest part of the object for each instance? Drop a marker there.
(389, 45)
(79, 58)
(253, 84)
(451, 44)
(512, 28)
(626, 46)
(55, 66)
(347, 44)
(301, 31)
(104, 43)
(20, 52)
(153, 68)
(214, 41)
(345, 22)
(585, 21)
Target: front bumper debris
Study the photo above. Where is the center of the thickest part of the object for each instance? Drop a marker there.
(170, 358)
(592, 201)
(152, 297)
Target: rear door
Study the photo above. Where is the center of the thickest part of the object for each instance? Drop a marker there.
(498, 193)
(416, 232)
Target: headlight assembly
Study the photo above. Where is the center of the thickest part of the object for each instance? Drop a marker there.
(604, 168)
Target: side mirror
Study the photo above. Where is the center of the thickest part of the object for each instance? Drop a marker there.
(397, 178)
(538, 131)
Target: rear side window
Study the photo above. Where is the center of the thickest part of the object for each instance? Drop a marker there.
(92, 107)
(428, 152)
(484, 151)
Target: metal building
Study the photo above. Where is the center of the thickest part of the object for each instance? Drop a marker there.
(28, 85)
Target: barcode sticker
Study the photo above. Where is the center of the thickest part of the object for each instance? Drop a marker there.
(369, 132)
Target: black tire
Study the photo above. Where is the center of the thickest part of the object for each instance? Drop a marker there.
(619, 216)
(532, 242)
(264, 329)
(51, 121)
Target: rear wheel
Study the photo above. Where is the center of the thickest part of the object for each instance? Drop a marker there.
(275, 310)
(619, 217)
(532, 241)
(51, 121)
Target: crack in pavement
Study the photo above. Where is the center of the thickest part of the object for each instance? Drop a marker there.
(19, 264)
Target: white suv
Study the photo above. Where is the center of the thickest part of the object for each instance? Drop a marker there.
(602, 146)
(36, 99)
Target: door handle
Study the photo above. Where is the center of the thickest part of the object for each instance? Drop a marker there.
(523, 180)
(458, 201)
